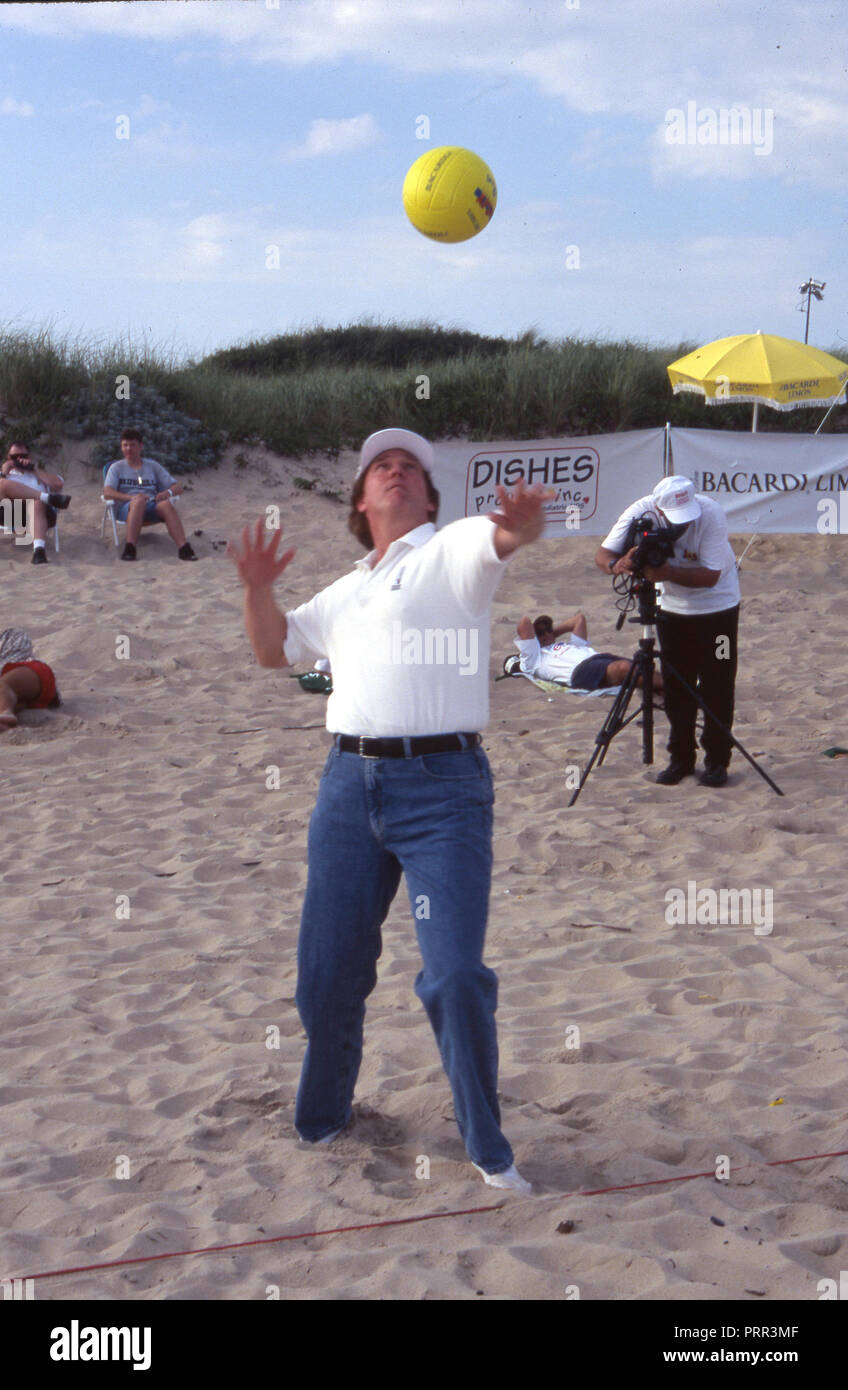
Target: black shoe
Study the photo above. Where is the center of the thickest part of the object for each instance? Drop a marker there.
(59, 501)
(713, 775)
(185, 552)
(128, 552)
(674, 773)
(39, 556)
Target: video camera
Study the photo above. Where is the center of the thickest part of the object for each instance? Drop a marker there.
(654, 544)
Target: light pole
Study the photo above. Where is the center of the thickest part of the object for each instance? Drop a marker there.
(812, 287)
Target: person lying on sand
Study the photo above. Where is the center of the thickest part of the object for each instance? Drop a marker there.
(24, 682)
(543, 655)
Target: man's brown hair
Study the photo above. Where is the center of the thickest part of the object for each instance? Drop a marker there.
(132, 433)
(357, 522)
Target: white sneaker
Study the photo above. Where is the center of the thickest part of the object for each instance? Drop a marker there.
(510, 1178)
(327, 1139)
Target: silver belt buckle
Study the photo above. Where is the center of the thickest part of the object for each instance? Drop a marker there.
(361, 749)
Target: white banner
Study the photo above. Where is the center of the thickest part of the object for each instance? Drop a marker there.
(768, 482)
(593, 478)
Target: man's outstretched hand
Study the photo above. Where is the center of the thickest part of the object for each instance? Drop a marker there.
(519, 518)
(259, 566)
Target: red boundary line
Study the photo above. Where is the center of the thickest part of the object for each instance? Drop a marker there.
(409, 1220)
(267, 1240)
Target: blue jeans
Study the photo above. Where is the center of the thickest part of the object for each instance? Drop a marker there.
(430, 818)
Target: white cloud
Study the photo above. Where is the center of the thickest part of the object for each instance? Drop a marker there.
(205, 240)
(735, 158)
(694, 289)
(795, 137)
(336, 137)
(621, 60)
(10, 107)
(151, 106)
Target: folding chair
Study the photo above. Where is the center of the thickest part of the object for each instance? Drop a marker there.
(109, 506)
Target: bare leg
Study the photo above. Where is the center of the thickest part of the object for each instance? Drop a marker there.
(135, 516)
(38, 520)
(169, 514)
(617, 672)
(21, 686)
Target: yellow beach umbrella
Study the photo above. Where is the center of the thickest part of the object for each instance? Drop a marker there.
(763, 369)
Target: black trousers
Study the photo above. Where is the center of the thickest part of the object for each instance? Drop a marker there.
(702, 649)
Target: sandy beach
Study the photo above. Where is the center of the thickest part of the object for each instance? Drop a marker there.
(151, 891)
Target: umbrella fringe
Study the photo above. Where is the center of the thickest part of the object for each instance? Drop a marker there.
(808, 402)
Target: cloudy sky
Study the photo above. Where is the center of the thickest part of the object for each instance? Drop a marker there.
(153, 151)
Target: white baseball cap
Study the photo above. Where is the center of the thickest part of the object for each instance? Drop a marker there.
(676, 498)
(378, 443)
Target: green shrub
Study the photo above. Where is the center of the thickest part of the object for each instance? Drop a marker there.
(326, 389)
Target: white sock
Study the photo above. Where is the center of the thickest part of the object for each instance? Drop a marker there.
(44, 496)
(38, 545)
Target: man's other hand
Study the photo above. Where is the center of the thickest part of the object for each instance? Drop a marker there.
(520, 516)
(259, 566)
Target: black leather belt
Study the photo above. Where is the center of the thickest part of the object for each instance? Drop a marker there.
(405, 747)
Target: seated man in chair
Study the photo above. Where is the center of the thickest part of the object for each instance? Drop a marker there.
(574, 662)
(143, 492)
(21, 481)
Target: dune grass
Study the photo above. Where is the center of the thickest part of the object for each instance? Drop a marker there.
(324, 389)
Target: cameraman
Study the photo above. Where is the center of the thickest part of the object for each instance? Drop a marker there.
(697, 622)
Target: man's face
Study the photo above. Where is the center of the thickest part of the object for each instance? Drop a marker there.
(679, 526)
(395, 485)
(131, 450)
(19, 455)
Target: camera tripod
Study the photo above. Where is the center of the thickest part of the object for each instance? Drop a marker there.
(643, 665)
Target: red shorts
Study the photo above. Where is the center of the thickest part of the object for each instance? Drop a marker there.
(49, 694)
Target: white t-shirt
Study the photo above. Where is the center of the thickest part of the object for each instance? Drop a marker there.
(703, 543)
(555, 662)
(407, 641)
(150, 477)
(29, 479)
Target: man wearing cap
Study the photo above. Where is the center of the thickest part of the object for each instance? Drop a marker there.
(697, 623)
(406, 787)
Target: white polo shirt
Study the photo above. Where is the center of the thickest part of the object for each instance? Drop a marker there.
(408, 638)
(704, 542)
